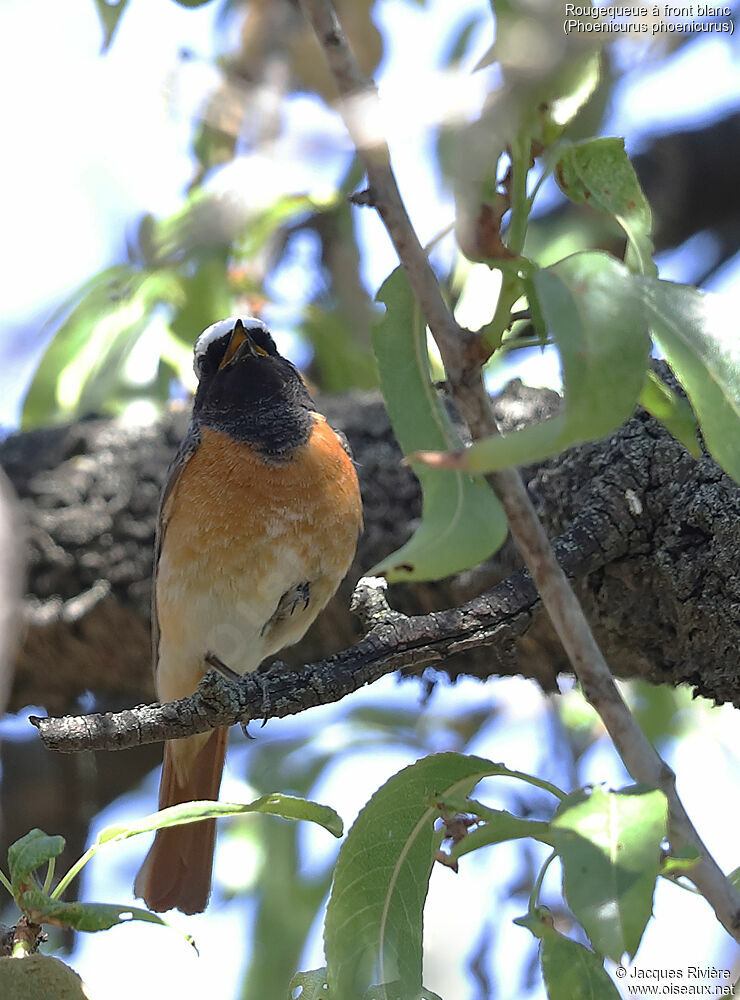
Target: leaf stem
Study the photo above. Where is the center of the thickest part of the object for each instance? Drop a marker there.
(520, 343)
(511, 286)
(532, 779)
(551, 158)
(5, 882)
(520, 204)
(534, 896)
(21, 949)
(439, 237)
(511, 290)
(49, 875)
(74, 871)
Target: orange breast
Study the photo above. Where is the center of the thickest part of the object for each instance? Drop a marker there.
(246, 530)
(228, 495)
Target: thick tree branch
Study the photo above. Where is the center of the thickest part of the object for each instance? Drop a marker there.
(469, 394)
(660, 600)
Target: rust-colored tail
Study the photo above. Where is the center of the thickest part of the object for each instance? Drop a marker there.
(177, 869)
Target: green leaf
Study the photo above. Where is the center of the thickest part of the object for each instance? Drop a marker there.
(396, 991)
(567, 93)
(594, 313)
(36, 848)
(276, 804)
(206, 298)
(595, 317)
(697, 333)
(660, 709)
(598, 172)
(570, 971)
(83, 361)
(263, 226)
(734, 878)
(90, 382)
(462, 520)
(681, 862)
(502, 771)
(297, 763)
(312, 985)
(500, 826)
(203, 222)
(609, 845)
(535, 310)
(92, 300)
(209, 221)
(342, 361)
(373, 928)
(673, 412)
(110, 13)
(81, 916)
(280, 871)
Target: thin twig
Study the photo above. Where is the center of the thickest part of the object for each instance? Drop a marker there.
(466, 385)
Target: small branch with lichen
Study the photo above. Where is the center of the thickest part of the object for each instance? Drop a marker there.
(467, 389)
(393, 641)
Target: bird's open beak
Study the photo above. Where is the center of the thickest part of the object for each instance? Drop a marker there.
(240, 345)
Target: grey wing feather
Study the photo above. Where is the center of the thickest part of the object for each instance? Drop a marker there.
(343, 441)
(187, 449)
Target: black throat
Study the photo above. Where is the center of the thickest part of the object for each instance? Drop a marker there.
(259, 401)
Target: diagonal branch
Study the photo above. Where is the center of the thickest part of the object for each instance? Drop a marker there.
(383, 191)
(640, 758)
(394, 641)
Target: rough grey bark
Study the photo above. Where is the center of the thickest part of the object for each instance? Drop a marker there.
(654, 536)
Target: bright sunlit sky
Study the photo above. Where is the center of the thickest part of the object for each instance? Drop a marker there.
(94, 141)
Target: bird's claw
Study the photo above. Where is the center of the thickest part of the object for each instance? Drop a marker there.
(266, 699)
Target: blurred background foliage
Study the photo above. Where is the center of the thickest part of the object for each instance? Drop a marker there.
(242, 230)
(264, 226)
(218, 254)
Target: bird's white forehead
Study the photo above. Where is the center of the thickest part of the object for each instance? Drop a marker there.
(222, 327)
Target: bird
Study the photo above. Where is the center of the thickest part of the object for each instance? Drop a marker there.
(258, 524)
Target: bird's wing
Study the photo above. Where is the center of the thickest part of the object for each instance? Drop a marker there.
(185, 452)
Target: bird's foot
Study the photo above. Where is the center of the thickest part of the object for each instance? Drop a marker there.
(266, 699)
